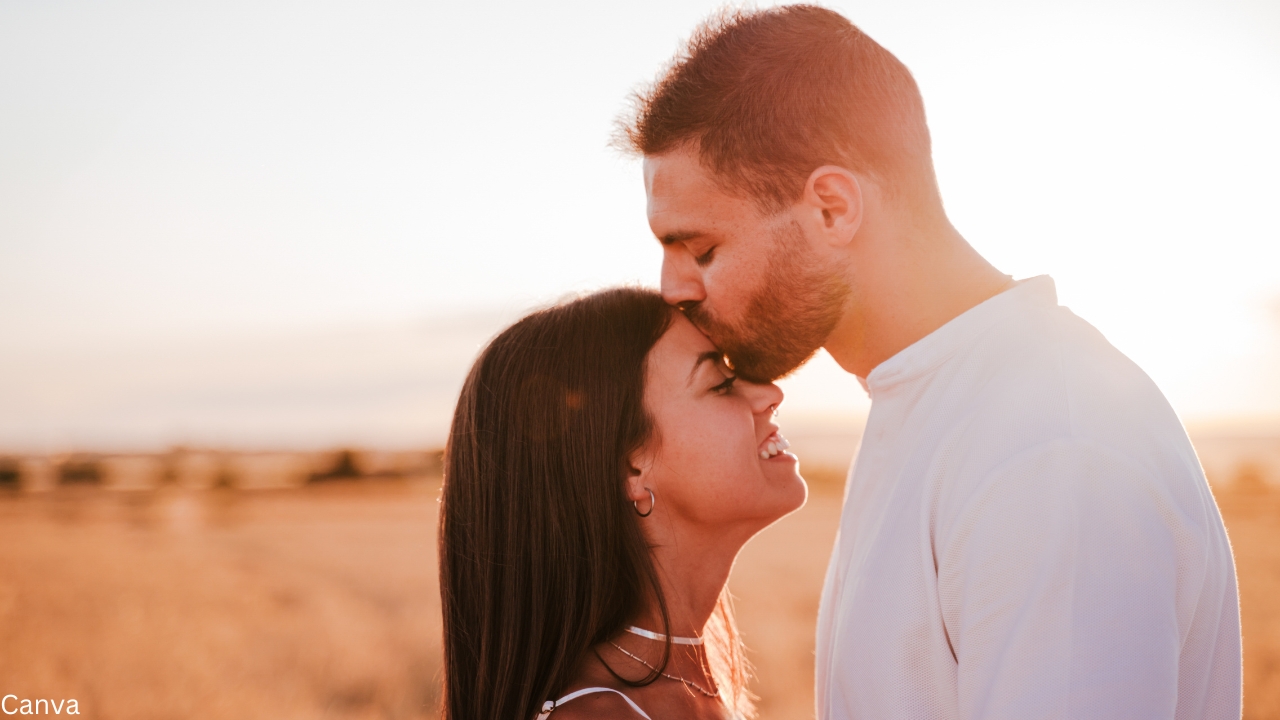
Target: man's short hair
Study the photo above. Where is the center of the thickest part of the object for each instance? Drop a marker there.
(765, 97)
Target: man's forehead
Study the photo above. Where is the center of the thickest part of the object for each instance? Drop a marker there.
(679, 190)
(674, 173)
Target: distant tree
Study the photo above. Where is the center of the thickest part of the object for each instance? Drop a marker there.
(80, 470)
(9, 474)
(344, 468)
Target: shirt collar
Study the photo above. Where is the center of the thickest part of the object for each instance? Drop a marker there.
(930, 351)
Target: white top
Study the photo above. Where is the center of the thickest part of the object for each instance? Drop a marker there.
(1026, 534)
(549, 706)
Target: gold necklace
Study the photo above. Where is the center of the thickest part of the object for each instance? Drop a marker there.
(688, 683)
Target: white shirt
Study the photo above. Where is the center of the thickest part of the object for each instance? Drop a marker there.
(1026, 534)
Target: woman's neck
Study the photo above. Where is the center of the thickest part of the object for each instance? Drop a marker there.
(693, 576)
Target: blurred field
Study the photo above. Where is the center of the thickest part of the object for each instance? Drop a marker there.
(320, 601)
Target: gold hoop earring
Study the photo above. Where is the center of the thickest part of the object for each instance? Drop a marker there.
(652, 502)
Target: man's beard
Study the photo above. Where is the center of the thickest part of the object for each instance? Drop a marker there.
(788, 317)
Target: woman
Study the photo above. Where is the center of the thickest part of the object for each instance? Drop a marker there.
(604, 468)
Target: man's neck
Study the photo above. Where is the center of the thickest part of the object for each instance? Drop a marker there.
(904, 289)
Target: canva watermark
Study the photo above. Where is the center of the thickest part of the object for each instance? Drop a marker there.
(13, 705)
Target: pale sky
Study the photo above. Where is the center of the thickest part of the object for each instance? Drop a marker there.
(289, 224)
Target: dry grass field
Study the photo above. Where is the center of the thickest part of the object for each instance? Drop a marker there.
(320, 602)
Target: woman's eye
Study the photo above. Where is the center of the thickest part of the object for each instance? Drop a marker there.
(704, 258)
(724, 386)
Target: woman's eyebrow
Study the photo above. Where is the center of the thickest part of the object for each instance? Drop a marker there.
(710, 355)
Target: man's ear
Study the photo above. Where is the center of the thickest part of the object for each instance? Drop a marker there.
(834, 197)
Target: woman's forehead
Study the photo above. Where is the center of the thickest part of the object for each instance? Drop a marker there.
(677, 354)
(686, 337)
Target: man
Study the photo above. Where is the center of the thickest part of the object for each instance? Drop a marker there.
(1027, 531)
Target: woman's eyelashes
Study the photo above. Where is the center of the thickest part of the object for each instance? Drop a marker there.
(725, 386)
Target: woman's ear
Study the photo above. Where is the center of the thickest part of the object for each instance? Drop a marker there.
(638, 481)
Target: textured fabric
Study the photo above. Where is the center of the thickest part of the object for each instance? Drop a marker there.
(1026, 533)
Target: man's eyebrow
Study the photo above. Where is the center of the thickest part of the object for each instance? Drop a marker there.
(710, 355)
(672, 238)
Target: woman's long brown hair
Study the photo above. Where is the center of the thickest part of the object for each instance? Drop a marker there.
(541, 553)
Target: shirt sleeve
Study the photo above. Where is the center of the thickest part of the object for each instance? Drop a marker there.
(1058, 580)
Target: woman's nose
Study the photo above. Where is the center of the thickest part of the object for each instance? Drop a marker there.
(764, 398)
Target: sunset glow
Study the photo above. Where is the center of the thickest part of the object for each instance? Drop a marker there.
(295, 226)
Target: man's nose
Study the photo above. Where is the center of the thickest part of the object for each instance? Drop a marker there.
(681, 283)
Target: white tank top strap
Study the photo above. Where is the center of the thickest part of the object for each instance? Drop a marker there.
(550, 705)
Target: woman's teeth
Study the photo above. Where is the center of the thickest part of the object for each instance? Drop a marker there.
(773, 446)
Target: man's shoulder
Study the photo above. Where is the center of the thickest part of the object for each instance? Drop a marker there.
(1057, 375)
(1059, 351)
(1057, 386)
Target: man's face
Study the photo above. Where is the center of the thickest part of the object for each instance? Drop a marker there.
(746, 278)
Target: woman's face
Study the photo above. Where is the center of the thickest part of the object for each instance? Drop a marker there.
(716, 459)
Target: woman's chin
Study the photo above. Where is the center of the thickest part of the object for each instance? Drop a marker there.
(783, 471)
(782, 466)
(802, 494)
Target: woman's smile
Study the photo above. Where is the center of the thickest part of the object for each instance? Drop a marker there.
(774, 446)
